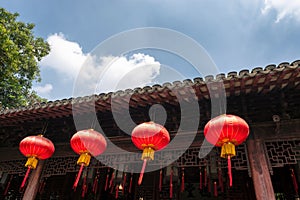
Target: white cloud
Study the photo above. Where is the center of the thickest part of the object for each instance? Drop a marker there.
(65, 57)
(284, 8)
(43, 90)
(95, 74)
(137, 71)
(111, 73)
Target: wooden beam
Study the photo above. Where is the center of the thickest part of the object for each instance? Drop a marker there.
(33, 184)
(259, 170)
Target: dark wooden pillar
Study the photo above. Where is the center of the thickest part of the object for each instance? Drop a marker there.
(33, 183)
(259, 169)
(297, 169)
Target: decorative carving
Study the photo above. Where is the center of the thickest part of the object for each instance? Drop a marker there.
(13, 167)
(240, 161)
(280, 153)
(60, 166)
(190, 158)
(283, 152)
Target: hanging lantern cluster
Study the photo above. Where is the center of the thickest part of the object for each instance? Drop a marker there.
(35, 148)
(149, 137)
(87, 143)
(226, 131)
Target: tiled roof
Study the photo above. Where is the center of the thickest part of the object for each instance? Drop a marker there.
(259, 80)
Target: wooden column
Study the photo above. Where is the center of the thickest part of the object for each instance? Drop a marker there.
(33, 183)
(259, 169)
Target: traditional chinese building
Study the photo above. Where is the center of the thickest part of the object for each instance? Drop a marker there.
(267, 164)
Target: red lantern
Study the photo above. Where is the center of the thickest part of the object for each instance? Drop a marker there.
(149, 137)
(87, 143)
(226, 131)
(34, 148)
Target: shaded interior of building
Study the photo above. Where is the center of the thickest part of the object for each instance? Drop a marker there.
(60, 187)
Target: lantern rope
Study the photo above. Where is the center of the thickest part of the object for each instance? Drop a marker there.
(220, 179)
(25, 177)
(84, 187)
(171, 184)
(93, 125)
(78, 176)
(117, 191)
(130, 183)
(106, 181)
(95, 184)
(112, 188)
(45, 127)
(142, 172)
(160, 180)
(295, 184)
(229, 170)
(7, 186)
(182, 181)
(111, 183)
(215, 189)
(200, 184)
(124, 182)
(205, 177)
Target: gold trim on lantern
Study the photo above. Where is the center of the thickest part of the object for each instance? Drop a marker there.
(84, 159)
(228, 149)
(148, 153)
(31, 162)
(148, 145)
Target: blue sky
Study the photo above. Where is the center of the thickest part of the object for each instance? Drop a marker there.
(236, 34)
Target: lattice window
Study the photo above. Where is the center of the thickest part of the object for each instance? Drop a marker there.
(13, 166)
(284, 152)
(190, 158)
(60, 166)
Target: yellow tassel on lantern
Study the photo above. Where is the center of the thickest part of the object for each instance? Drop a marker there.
(228, 149)
(148, 153)
(84, 159)
(31, 162)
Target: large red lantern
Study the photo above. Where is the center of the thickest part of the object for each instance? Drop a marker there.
(149, 137)
(226, 131)
(34, 148)
(87, 143)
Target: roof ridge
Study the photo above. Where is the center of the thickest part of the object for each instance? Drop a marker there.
(197, 80)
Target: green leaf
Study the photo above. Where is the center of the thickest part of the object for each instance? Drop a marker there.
(20, 51)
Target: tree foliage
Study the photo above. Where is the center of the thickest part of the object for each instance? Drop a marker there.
(20, 52)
